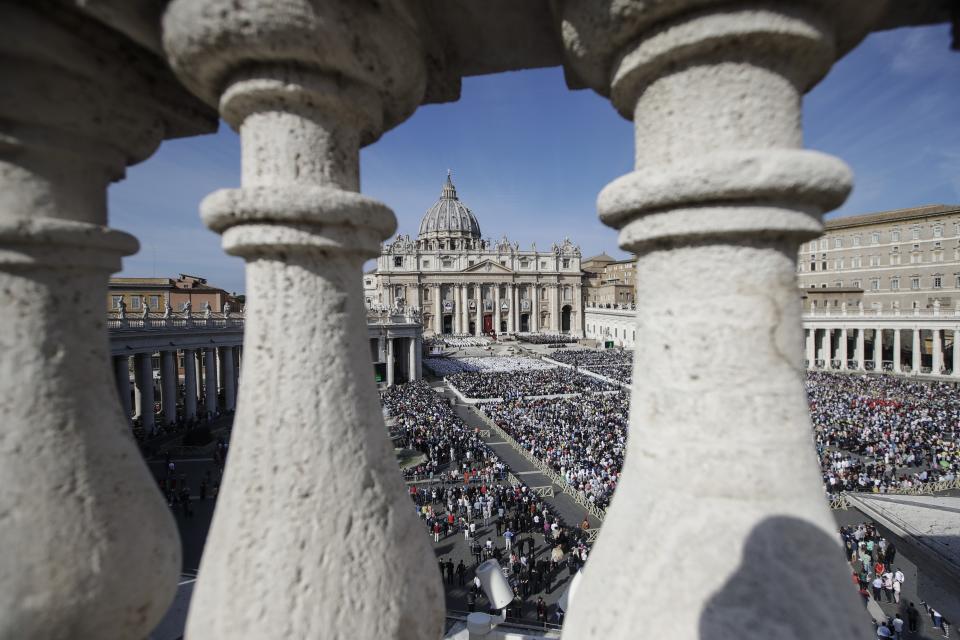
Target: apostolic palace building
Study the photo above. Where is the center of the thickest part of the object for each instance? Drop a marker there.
(463, 283)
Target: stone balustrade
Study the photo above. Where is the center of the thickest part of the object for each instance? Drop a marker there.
(721, 187)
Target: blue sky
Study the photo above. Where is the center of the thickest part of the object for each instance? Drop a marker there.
(529, 156)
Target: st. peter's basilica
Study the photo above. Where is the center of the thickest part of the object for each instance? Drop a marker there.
(462, 283)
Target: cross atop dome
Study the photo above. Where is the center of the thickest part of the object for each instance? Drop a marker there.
(449, 191)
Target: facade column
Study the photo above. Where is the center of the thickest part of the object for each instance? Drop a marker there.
(457, 304)
(478, 329)
(189, 384)
(121, 372)
(811, 335)
(844, 343)
(721, 186)
(897, 347)
(437, 309)
(878, 350)
(861, 349)
(90, 547)
(227, 375)
(168, 385)
(210, 380)
(535, 307)
(955, 370)
(143, 378)
(303, 112)
(509, 297)
(419, 352)
(916, 356)
(391, 356)
(937, 360)
(496, 308)
(463, 311)
(552, 306)
(201, 374)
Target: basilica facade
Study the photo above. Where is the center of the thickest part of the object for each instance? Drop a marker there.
(461, 283)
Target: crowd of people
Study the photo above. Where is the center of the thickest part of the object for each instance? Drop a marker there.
(509, 385)
(460, 341)
(447, 366)
(877, 433)
(615, 364)
(877, 576)
(546, 338)
(583, 439)
(471, 498)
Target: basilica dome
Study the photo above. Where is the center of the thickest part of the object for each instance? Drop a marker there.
(448, 217)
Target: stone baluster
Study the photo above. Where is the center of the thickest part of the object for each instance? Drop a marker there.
(721, 187)
(305, 89)
(90, 548)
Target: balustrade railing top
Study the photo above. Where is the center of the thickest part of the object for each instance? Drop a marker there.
(156, 322)
(884, 314)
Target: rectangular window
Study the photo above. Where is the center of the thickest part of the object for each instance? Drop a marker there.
(937, 282)
(857, 284)
(115, 302)
(543, 264)
(823, 243)
(426, 263)
(938, 231)
(154, 302)
(398, 261)
(874, 261)
(875, 237)
(895, 258)
(894, 284)
(837, 243)
(838, 284)
(134, 302)
(915, 282)
(856, 241)
(895, 235)
(566, 263)
(875, 284)
(449, 263)
(915, 233)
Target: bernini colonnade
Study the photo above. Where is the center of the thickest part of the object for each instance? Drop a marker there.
(721, 186)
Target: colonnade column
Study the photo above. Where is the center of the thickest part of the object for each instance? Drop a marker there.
(955, 371)
(457, 303)
(896, 351)
(189, 384)
(844, 342)
(303, 112)
(412, 360)
(534, 307)
(720, 187)
(916, 355)
(121, 371)
(878, 349)
(90, 547)
(210, 380)
(391, 355)
(828, 348)
(168, 385)
(811, 336)
(229, 378)
(553, 293)
(860, 353)
(143, 378)
(937, 361)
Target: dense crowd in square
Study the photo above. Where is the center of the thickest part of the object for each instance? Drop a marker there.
(460, 341)
(877, 433)
(615, 364)
(448, 366)
(469, 494)
(547, 338)
(508, 385)
(583, 439)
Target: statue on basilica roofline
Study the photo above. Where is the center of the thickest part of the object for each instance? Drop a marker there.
(121, 309)
(167, 311)
(207, 309)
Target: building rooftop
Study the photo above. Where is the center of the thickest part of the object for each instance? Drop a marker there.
(894, 215)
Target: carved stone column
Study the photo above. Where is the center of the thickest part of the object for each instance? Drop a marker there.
(721, 187)
(168, 385)
(90, 549)
(143, 377)
(121, 374)
(306, 86)
(189, 384)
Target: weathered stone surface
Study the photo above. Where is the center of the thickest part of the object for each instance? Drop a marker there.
(720, 454)
(313, 533)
